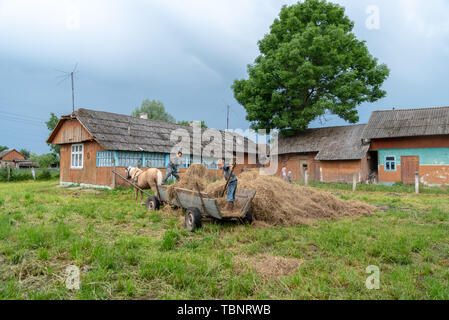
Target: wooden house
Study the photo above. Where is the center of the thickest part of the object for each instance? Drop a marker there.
(12, 157)
(330, 154)
(410, 141)
(93, 143)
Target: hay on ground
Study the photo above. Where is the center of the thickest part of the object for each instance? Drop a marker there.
(278, 202)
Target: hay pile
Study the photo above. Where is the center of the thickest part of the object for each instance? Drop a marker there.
(280, 203)
(195, 174)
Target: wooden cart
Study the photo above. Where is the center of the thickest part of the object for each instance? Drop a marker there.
(198, 206)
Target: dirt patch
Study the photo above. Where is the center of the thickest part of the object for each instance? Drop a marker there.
(267, 265)
(278, 202)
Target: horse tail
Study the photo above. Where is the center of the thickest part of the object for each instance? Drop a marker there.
(159, 177)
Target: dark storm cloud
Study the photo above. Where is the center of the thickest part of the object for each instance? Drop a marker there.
(186, 54)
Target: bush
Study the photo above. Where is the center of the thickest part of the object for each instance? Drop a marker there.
(44, 175)
(23, 175)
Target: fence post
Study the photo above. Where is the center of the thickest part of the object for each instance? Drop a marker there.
(114, 178)
(354, 182)
(33, 172)
(417, 182)
(8, 168)
(306, 177)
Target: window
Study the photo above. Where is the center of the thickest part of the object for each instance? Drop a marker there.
(390, 163)
(129, 159)
(105, 159)
(77, 156)
(155, 160)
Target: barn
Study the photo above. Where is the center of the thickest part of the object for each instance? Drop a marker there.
(410, 141)
(330, 154)
(93, 143)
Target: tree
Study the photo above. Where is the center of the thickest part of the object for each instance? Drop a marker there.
(3, 148)
(45, 160)
(187, 123)
(51, 125)
(25, 153)
(310, 63)
(155, 110)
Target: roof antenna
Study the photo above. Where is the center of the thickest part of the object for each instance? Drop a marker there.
(65, 75)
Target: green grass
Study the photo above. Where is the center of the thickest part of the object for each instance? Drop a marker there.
(126, 252)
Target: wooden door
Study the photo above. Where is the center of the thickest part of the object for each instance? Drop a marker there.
(302, 169)
(409, 167)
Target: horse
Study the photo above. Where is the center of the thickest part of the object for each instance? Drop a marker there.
(150, 178)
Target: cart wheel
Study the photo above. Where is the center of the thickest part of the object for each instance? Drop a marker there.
(153, 203)
(193, 219)
(248, 217)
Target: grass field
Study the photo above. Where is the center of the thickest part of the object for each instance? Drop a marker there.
(125, 252)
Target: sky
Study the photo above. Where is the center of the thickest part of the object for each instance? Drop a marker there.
(187, 53)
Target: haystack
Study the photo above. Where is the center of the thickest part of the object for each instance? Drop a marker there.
(278, 202)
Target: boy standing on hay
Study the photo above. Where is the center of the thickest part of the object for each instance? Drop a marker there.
(172, 167)
(232, 184)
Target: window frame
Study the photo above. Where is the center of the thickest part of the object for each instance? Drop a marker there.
(394, 161)
(76, 153)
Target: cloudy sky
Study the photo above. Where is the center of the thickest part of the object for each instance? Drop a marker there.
(186, 53)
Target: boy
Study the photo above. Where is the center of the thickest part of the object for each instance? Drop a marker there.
(172, 167)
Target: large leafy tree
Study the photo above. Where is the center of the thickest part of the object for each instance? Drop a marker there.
(51, 125)
(26, 153)
(3, 148)
(155, 110)
(310, 63)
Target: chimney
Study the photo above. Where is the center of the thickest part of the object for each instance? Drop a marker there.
(143, 115)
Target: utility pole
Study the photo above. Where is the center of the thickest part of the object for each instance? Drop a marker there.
(227, 117)
(73, 94)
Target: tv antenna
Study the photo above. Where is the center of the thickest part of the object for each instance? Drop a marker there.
(66, 75)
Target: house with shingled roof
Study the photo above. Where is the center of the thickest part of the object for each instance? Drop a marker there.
(93, 143)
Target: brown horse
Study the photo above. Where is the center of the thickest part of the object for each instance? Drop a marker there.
(148, 179)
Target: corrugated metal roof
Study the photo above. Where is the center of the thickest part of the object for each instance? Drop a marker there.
(407, 123)
(126, 133)
(331, 143)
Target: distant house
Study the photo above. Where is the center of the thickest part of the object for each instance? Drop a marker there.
(406, 142)
(391, 148)
(330, 154)
(93, 143)
(11, 158)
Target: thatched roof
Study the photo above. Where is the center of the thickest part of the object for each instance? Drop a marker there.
(331, 143)
(126, 133)
(407, 123)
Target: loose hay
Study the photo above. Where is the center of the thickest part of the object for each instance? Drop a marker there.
(278, 202)
(195, 174)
